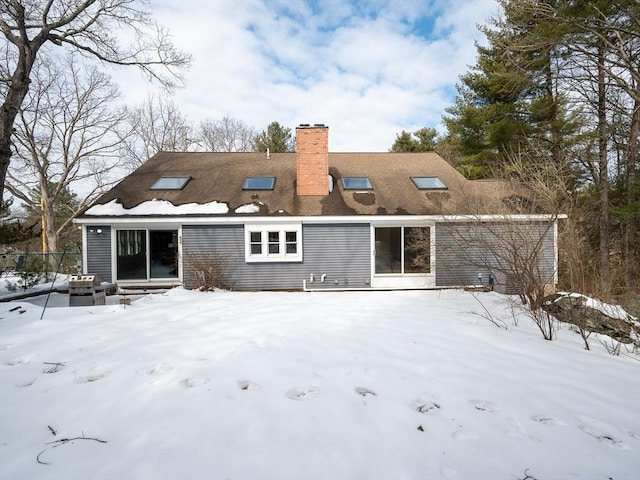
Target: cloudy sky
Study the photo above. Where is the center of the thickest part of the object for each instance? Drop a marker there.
(367, 69)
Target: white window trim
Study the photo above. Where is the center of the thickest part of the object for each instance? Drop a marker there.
(264, 229)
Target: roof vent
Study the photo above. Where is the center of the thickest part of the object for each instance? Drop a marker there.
(305, 125)
(318, 124)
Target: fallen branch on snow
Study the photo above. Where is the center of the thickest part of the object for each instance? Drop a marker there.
(63, 441)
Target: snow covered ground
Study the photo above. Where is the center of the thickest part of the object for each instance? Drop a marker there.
(351, 385)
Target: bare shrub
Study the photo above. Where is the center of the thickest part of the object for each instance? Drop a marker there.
(209, 271)
(487, 314)
(516, 252)
(508, 234)
(611, 345)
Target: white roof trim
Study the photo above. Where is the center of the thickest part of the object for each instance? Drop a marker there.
(209, 219)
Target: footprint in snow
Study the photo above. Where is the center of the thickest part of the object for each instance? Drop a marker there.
(365, 392)
(516, 429)
(604, 437)
(159, 369)
(484, 406)
(300, 393)
(195, 382)
(91, 378)
(26, 384)
(248, 385)
(426, 407)
(23, 360)
(601, 432)
(548, 420)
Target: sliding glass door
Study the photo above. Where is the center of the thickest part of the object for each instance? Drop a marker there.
(132, 254)
(146, 254)
(163, 252)
(402, 250)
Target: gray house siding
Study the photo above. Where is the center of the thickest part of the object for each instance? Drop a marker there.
(99, 251)
(341, 252)
(466, 250)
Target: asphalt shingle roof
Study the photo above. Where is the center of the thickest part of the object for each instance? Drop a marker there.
(221, 176)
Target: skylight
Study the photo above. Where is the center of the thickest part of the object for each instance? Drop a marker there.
(429, 183)
(170, 183)
(356, 183)
(259, 183)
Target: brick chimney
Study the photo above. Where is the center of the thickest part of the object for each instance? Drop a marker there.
(312, 147)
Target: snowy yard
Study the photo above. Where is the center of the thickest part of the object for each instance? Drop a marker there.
(352, 385)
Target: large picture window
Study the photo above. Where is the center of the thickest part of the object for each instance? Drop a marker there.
(273, 243)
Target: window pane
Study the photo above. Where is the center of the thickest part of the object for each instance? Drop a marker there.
(356, 183)
(259, 183)
(256, 242)
(417, 250)
(388, 250)
(428, 183)
(163, 253)
(274, 242)
(170, 183)
(291, 242)
(132, 254)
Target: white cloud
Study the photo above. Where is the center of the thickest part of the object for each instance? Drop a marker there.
(366, 71)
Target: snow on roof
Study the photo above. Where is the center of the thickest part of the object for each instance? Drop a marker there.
(249, 208)
(158, 207)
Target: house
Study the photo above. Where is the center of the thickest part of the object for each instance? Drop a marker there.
(310, 220)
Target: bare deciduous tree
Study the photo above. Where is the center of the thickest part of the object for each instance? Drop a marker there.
(155, 125)
(115, 32)
(227, 135)
(513, 248)
(65, 136)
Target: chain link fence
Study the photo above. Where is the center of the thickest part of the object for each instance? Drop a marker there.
(47, 264)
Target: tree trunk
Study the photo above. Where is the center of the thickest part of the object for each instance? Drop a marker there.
(17, 91)
(556, 133)
(632, 256)
(15, 95)
(50, 227)
(603, 181)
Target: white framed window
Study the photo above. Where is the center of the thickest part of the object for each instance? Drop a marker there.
(273, 242)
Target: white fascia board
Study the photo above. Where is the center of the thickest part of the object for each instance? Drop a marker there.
(210, 219)
(504, 218)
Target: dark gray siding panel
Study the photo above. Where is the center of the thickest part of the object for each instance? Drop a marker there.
(99, 251)
(465, 250)
(341, 252)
